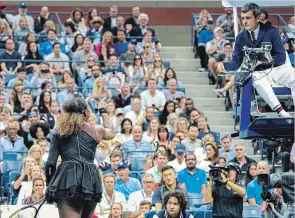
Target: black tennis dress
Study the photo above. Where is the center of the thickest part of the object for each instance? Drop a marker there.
(76, 176)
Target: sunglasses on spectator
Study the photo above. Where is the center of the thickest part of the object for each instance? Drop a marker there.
(90, 60)
(158, 61)
(137, 59)
(146, 46)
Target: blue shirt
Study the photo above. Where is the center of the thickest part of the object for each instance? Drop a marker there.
(232, 153)
(127, 188)
(88, 86)
(205, 36)
(292, 59)
(46, 48)
(254, 191)
(140, 150)
(7, 145)
(193, 182)
(10, 84)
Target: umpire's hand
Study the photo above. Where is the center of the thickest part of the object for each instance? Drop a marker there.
(220, 67)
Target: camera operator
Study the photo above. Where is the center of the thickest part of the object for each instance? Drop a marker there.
(223, 191)
(279, 209)
(253, 35)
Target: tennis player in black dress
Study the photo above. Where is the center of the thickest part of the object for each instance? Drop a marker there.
(76, 185)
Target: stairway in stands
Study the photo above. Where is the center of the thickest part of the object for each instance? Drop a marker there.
(197, 87)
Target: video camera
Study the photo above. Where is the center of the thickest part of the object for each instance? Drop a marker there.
(268, 196)
(216, 170)
(285, 181)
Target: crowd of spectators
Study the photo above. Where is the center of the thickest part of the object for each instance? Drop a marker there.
(163, 142)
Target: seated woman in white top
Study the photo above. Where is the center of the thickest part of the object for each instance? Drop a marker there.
(151, 136)
(156, 70)
(27, 187)
(102, 151)
(111, 108)
(211, 156)
(201, 152)
(126, 131)
(136, 72)
(38, 191)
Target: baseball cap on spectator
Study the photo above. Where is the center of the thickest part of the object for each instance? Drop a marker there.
(133, 41)
(23, 5)
(119, 111)
(218, 29)
(210, 20)
(122, 165)
(2, 5)
(180, 148)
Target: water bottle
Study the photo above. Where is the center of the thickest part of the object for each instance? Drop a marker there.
(10, 70)
(254, 107)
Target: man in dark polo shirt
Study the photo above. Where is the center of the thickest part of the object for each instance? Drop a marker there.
(225, 194)
(10, 67)
(169, 178)
(241, 159)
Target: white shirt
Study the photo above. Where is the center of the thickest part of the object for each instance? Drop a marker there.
(102, 209)
(123, 138)
(59, 65)
(256, 32)
(200, 155)
(190, 145)
(147, 100)
(113, 22)
(133, 116)
(176, 165)
(204, 165)
(135, 198)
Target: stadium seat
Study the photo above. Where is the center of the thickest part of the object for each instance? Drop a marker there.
(13, 156)
(136, 174)
(138, 164)
(251, 211)
(195, 200)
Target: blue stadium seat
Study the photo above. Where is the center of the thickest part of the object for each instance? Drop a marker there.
(8, 166)
(138, 164)
(12, 194)
(8, 155)
(136, 174)
(8, 77)
(166, 64)
(57, 77)
(251, 211)
(195, 200)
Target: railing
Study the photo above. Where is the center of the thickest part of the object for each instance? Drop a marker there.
(194, 18)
